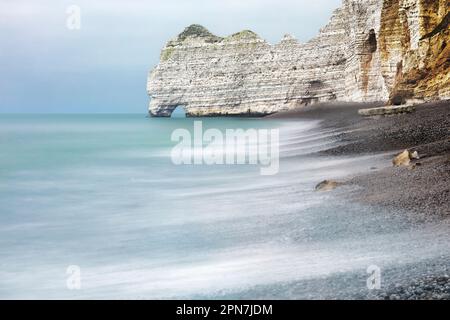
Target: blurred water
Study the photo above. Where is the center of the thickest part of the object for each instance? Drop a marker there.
(101, 192)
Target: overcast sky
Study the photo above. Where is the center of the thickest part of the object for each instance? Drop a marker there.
(102, 67)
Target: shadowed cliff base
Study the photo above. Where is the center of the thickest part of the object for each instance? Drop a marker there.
(422, 188)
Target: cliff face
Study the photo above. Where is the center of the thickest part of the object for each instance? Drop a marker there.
(414, 49)
(371, 50)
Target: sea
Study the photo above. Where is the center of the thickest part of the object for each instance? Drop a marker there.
(92, 206)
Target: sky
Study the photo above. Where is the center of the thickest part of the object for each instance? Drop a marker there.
(49, 65)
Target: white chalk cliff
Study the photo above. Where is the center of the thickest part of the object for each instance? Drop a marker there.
(371, 50)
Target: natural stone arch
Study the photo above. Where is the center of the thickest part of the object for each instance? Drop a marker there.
(165, 111)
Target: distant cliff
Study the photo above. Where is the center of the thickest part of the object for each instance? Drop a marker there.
(371, 50)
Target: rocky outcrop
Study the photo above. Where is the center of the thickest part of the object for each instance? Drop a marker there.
(387, 110)
(414, 49)
(371, 50)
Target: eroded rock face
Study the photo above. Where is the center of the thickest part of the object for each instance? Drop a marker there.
(371, 50)
(419, 31)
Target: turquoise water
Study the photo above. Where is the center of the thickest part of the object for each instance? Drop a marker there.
(100, 192)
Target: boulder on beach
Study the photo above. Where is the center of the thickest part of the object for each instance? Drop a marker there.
(327, 185)
(404, 158)
(414, 155)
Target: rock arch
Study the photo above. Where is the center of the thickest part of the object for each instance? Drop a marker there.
(179, 112)
(166, 111)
